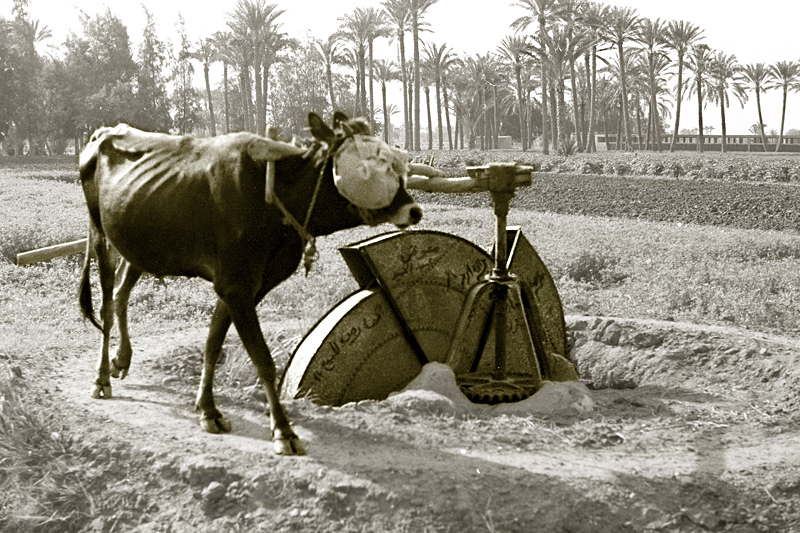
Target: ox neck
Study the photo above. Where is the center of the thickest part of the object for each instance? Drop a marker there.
(308, 240)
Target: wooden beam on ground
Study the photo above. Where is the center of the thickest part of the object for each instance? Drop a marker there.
(51, 252)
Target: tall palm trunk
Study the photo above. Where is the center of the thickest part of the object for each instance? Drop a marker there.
(495, 125)
(722, 117)
(521, 107)
(261, 124)
(404, 73)
(430, 118)
(447, 113)
(417, 74)
(385, 115)
(545, 125)
(590, 142)
(439, 112)
(225, 91)
(760, 119)
(700, 131)
(783, 119)
(678, 98)
(624, 88)
(371, 82)
(210, 102)
(575, 107)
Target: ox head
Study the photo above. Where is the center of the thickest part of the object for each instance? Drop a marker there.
(367, 172)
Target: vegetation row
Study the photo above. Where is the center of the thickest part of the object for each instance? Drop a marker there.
(729, 167)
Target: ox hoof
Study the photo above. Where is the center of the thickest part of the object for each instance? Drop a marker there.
(101, 392)
(118, 371)
(287, 444)
(215, 425)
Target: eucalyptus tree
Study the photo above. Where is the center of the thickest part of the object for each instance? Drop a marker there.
(206, 53)
(27, 95)
(398, 14)
(786, 77)
(681, 36)
(513, 50)
(622, 26)
(541, 11)
(253, 22)
(330, 52)
(700, 63)
(757, 75)
(652, 35)
(727, 78)
(417, 9)
(386, 71)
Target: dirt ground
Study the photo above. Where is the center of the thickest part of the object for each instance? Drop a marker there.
(695, 428)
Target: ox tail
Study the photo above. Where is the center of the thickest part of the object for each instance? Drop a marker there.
(85, 288)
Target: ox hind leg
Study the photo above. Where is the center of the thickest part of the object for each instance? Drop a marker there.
(126, 277)
(211, 420)
(285, 441)
(105, 267)
(243, 313)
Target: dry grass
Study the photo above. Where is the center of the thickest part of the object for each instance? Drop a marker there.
(616, 267)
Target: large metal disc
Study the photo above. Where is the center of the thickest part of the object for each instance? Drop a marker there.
(413, 288)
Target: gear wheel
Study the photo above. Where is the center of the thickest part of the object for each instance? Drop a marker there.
(483, 388)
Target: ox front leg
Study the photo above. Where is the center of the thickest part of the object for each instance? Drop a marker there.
(126, 278)
(243, 312)
(211, 420)
(105, 266)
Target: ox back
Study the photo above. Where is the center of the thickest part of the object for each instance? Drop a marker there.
(185, 206)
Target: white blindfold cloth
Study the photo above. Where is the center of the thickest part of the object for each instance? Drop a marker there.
(368, 172)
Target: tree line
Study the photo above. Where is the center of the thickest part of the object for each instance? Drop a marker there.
(566, 68)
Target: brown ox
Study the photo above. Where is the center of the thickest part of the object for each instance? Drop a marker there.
(185, 206)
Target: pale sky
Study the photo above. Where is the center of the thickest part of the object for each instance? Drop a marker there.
(754, 35)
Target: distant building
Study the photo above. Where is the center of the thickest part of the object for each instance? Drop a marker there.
(711, 143)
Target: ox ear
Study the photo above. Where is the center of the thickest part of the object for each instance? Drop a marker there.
(339, 119)
(319, 129)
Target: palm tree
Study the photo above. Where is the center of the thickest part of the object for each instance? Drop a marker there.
(225, 53)
(786, 77)
(437, 58)
(386, 71)
(622, 26)
(540, 12)
(726, 74)
(512, 49)
(274, 44)
(758, 76)
(417, 9)
(699, 63)
(594, 16)
(448, 62)
(398, 14)
(681, 36)
(206, 54)
(253, 20)
(378, 28)
(329, 51)
(357, 28)
(652, 35)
